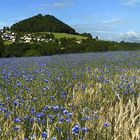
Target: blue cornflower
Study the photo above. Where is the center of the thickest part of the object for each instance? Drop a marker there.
(27, 117)
(50, 116)
(55, 108)
(70, 114)
(47, 81)
(86, 118)
(44, 134)
(54, 138)
(66, 112)
(19, 84)
(17, 120)
(106, 124)
(34, 98)
(15, 102)
(31, 119)
(47, 88)
(61, 120)
(40, 114)
(8, 98)
(68, 120)
(76, 128)
(84, 129)
(4, 109)
(16, 128)
(33, 110)
(63, 94)
(52, 97)
(46, 107)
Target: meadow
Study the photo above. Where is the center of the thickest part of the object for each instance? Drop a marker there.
(91, 96)
(64, 35)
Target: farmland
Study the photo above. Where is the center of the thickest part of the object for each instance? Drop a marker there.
(91, 96)
(66, 35)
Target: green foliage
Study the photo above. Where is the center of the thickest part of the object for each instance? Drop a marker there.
(40, 23)
(64, 46)
(1, 41)
(88, 35)
(32, 52)
(1, 46)
(8, 42)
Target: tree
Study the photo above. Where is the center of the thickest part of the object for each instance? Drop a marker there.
(87, 35)
(1, 41)
(6, 29)
(1, 46)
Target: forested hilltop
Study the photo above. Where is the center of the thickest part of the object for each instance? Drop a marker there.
(40, 23)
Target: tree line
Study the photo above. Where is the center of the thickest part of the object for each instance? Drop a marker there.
(66, 46)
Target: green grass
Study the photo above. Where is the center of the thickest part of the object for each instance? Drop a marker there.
(62, 35)
(66, 35)
(8, 42)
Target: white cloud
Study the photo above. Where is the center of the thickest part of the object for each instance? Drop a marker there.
(114, 21)
(60, 4)
(130, 36)
(108, 32)
(132, 3)
(104, 31)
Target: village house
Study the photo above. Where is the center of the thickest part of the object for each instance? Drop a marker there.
(78, 41)
(8, 35)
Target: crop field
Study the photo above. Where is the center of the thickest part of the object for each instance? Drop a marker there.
(91, 96)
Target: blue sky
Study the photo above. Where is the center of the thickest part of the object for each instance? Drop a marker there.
(109, 19)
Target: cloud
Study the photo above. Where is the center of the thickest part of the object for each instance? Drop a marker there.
(108, 32)
(114, 21)
(102, 26)
(130, 36)
(132, 3)
(104, 31)
(60, 4)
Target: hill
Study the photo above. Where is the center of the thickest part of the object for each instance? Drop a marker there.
(40, 23)
(65, 35)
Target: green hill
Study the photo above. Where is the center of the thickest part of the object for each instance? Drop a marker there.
(62, 35)
(66, 35)
(40, 23)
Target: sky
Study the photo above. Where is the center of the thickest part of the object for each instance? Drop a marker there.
(115, 20)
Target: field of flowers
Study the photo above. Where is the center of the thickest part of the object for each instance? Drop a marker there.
(93, 96)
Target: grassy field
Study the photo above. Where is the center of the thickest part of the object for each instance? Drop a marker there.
(62, 35)
(66, 35)
(92, 96)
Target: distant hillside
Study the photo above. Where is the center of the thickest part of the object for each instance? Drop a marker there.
(63, 35)
(40, 23)
(66, 35)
